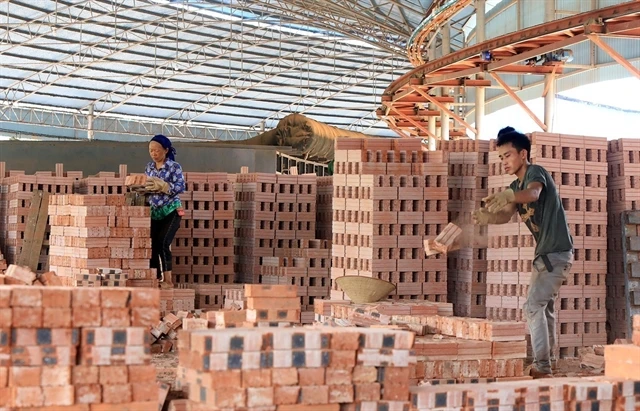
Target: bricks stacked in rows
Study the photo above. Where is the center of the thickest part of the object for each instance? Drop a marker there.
(265, 305)
(631, 264)
(324, 211)
(467, 267)
(389, 196)
(623, 185)
(177, 299)
(595, 393)
(105, 182)
(579, 169)
(290, 368)
(89, 232)
(308, 266)
(272, 212)
(203, 247)
(61, 346)
(16, 192)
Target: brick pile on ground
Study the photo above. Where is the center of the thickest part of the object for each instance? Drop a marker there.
(467, 267)
(272, 212)
(177, 299)
(307, 266)
(446, 347)
(90, 233)
(623, 185)
(266, 306)
(16, 192)
(295, 368)
(579, 168)
(593, 393)
(203, 248)
(389, 196)
(65, 346)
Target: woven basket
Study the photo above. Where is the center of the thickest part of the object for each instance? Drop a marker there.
(364, 289)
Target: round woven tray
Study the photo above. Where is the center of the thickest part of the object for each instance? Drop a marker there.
(364, 289)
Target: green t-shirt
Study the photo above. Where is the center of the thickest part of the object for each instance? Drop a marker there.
(545, 218)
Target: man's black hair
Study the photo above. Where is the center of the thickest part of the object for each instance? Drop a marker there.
(518, 140)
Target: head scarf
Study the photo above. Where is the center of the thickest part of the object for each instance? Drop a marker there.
(166, 144)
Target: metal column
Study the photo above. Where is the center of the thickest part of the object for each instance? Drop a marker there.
(549, 101)
(480, 91)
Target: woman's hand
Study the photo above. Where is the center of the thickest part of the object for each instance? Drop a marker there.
(157, 185)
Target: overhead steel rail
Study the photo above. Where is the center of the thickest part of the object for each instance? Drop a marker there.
(411, 100)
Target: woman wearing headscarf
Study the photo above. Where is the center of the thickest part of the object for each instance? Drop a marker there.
(165, 182)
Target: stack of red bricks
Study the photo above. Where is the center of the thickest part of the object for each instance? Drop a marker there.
(105, 182)
(389, 196)
(579, 168)
(177, 299)
(296, 368)
(595, 393)
(382, 313)
(90, 232)
(266, 306)
(308, 266)
(63, 346)
(624, 195)
(272, 212)
(324, 210)
(467, 267)
(18, 191)
(203, 248)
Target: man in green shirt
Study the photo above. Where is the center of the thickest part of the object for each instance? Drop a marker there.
(535, 197)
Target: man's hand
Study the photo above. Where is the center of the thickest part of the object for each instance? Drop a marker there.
(157, 185)
(498, 201)
(484, 217)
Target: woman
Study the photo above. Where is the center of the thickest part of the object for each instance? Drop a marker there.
(165, 182)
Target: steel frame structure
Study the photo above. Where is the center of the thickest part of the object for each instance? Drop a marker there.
(131, 66)
(404, 102)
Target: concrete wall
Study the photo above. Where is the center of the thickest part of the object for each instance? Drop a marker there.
(90, 157)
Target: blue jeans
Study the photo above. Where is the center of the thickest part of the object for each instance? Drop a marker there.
(546, 279)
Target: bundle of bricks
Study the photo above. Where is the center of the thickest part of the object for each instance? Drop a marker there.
(272, 212)
(623, 187)
(266, 306)
(389, 196)
(16, 193)
(579, 168)
(631, 265)
(324, 211)
(91, 232)
(467, 267)
(595, 393)
(105, 183)
(62, 346)
(295, 368)
(203, 247)
(307, 265)
(177, 299)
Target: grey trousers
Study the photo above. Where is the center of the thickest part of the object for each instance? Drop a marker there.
(546, 279)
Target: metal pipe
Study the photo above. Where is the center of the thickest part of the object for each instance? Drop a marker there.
(549, 101)
(480, 107)
(480, 21)
(90, 123)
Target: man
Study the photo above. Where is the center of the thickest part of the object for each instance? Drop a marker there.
(536, 199)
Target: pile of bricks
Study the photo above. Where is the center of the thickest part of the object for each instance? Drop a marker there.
(307, 265)
(389, 196)
(3, 263)
(272, 212)
(468, 185)
(90, 232)
(579, 168)
(266, 306)
(623, 187)
(290, 368)
(63, 346)
(595, 393)
(623, 360)
(203, 247)
(105, 183)
(234, 299)
(16, 192)
(177, 299)
(324, 210)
